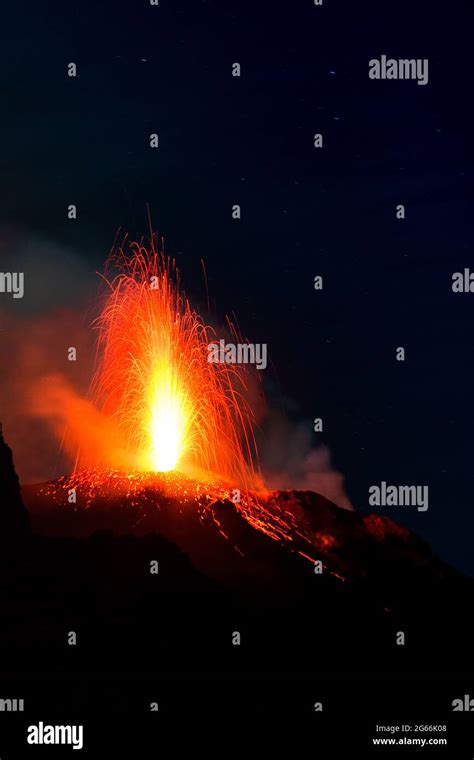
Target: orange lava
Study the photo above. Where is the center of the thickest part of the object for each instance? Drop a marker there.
(173, 408)
(149, 491)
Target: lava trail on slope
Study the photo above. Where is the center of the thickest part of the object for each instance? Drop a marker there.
(228, 534)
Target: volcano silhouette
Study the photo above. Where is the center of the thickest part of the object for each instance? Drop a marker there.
(332, 589)
(304, 584)
(280, 537)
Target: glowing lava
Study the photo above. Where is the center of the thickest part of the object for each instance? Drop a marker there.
(172, 407)
(168, 412)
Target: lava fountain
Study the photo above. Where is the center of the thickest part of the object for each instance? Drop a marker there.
(174, 409)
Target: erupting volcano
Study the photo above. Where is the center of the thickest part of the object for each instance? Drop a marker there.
(167, 475)
(180, 428)
(180, 447)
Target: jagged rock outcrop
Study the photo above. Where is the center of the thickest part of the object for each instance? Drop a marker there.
(14, 518)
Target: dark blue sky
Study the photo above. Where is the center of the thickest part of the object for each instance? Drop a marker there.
(305, 212)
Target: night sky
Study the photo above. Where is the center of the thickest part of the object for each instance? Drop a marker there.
(225, 140)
